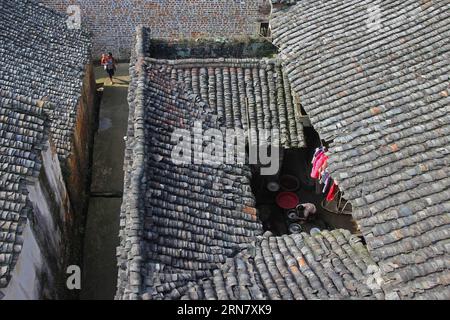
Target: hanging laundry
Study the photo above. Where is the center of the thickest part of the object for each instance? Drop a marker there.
(327, 183)
(316, 154)
(332, 193)
(320, 171)
(324, 176)
(321, 159)
(323, 167)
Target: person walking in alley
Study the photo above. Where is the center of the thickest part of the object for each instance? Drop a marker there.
(111, 66)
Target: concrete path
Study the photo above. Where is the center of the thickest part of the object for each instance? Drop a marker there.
(102, 228)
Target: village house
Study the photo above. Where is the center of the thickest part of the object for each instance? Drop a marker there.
(379, 100)
(358, 91)
(47, 98)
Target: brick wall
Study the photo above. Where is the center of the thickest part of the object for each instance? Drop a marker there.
(113, 22)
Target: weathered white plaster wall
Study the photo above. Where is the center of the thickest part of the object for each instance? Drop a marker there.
(25, 284)
(47, 198)
(41, 257)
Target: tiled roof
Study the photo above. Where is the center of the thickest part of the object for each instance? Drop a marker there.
(42, 59)
(178, 222)
(23, 131)
(328, 265)
(242, 91)
(187, 227)
(374, 78)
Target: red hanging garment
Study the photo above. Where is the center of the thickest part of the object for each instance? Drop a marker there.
(323, 167)
(332, 193)
(321, 159)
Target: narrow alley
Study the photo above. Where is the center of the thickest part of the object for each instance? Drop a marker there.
(102, 228)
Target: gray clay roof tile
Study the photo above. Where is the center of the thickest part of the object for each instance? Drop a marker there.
(381, 98)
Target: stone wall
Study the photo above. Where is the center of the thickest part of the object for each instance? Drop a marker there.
(113, 23)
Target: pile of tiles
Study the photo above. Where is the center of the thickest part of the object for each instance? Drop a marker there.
(189, 230)
(24, 130)
(377, 87)
(328, 265)
(42, 59)
(249, 94)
